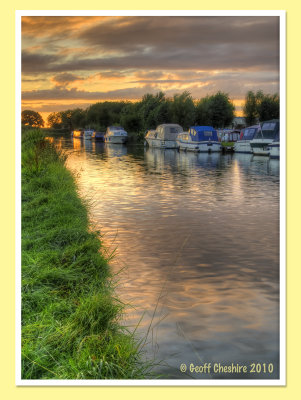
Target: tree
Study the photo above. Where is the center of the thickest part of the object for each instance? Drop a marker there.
(78, 117)
(103, 114)
(261, 107)
(130, 119)
(54, 120)
(202, 111)
(183, 110)
(72, 119)
(216, 110)
(32, 118)
(268, 108)
(250, 108)
(153, 110)
(66, 117)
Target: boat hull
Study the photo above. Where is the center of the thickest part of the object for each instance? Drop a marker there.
(200, 147)
(115, 139)
(243, 146)
(163, 144)
(274, 150)
(260, 147)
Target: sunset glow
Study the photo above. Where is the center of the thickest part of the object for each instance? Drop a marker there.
(70, 62)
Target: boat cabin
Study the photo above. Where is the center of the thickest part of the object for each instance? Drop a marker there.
(269, 130)
(168, 131)
(250, 132)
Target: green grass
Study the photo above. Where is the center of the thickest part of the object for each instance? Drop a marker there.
(227, 144)
(71, 318)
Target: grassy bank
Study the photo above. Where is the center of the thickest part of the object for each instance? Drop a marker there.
(70, 317)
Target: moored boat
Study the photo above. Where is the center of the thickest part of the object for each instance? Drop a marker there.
(88, 134)
(264, 137)
(274, 147)
(164, 136)
(243, 145)
(100, 136)
(230, 135)
(199, 139)
(115, 134)
(78, 134)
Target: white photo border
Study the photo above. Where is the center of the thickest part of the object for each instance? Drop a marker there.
(282, 234)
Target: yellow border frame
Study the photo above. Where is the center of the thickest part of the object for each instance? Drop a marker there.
(8, 388)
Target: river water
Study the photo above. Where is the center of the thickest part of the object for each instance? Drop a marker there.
(196, 241)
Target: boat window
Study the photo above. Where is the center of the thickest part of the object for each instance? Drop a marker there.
(208, 133)
(249, 133)
(269, 130)
(268, 126)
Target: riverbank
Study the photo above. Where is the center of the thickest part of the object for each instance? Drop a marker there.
(71, 319)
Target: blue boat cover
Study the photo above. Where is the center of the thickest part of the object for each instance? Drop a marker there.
(203, 133)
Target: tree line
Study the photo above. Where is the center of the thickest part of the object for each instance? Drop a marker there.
(153, 109)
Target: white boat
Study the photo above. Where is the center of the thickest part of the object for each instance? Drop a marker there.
(165, 136)
(274, 150)
(199, 139)
(115, 134)
(88, 134)
(243, 145)
(264, 137)
(274, 147)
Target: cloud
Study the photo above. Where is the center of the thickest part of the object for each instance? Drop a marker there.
(35, 80)
(36, 62)
(74, 94)
(55, 107)
(103, 56)
(135, 33)
(159, 43)
(229, 83)
(215, 59)
(53, 26)
(65, 78)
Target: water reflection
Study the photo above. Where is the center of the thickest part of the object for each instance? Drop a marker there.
(198, 235)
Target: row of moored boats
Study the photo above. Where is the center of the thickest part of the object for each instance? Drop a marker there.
(261, 139)
(113, 134)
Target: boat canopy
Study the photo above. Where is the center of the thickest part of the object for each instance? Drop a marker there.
(269, 130)
(168, 131)
(203, 133)
(250, 132)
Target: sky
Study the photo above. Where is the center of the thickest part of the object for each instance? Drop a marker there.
(70, 62)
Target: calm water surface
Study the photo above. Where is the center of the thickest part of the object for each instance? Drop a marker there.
(197, 236)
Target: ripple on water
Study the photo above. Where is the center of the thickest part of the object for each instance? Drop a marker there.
(197, 236)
